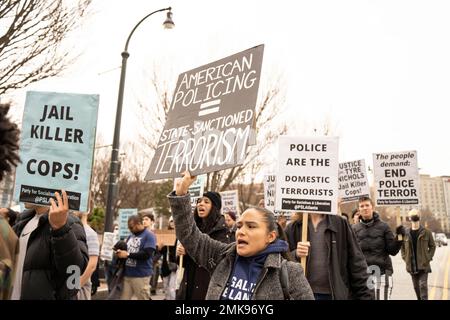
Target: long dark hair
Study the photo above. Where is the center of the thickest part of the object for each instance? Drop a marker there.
(272, 225)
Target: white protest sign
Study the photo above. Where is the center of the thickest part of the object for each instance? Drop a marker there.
(269, 192)
(109, 240)
(396, 178)
(124, 214)
(57, 147)
(307, 177)
(353, 182)
(212, 117)
(230, 201)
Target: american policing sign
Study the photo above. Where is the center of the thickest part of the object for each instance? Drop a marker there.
(396, 178)
(211, 119)
(353, 182)
(307, 178)
(56, 148)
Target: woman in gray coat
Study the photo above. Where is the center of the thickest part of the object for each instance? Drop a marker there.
(252, 268)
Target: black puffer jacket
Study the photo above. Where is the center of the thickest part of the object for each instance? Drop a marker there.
(377, 242)
(49, 254)
(194, 285)
(346, 264)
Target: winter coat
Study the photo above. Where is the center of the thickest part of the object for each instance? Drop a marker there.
(424, 251)
(219, 258)
(194, 284)
(377, 242)
(9, 250)
(49, 255)
(346, 264)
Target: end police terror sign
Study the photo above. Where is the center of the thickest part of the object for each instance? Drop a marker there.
(56, 147)
(307, 178)
(211, 120)
(396, 178)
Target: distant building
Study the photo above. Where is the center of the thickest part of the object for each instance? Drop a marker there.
(7, 191)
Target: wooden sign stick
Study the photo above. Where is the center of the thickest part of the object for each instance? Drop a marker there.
(304, 239)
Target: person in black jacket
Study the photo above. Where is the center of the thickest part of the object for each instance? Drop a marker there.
(56, 252)
(377, 242)
(209, 220)
(335, 266)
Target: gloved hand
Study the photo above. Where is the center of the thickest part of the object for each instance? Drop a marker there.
(93, 290)
(400, 230)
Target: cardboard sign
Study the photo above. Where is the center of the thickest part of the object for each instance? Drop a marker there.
(166, 237)
(109, 240)
(57, 147)
(307, 178)
(396, 178)
(353, 182)
(124, 214)
(230, 201)
(269, 192)
(211, 119)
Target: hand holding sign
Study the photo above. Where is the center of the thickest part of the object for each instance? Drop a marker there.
(58, 211)
(183, 185)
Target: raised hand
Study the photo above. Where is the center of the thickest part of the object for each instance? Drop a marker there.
(59, 210)
(183, 185)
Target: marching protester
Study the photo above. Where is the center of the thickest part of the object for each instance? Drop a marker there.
(210, 221)
(417, 251)
(93, 251)
(50, 242)
(141, 245)
(377, 242)
(256, 258)
(355, 216)
(335, 266)
(169, 267)
(148, 220)
(230, 222)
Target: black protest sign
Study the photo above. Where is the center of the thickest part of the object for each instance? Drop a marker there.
(211, 119)
(396, 178)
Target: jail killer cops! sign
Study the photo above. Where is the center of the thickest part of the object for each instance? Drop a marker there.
(211, 120)
(353, 182)
(307, 178)
(396, 178)
(56, 148)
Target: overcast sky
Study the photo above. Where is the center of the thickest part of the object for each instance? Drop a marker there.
(379, 70)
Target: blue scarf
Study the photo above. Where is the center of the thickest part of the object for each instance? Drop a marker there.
(246, 272)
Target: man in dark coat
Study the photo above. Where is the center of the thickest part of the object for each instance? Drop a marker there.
(56, 253)
(335, 266)
(377, 242)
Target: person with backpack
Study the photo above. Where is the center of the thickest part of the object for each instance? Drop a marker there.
(249, 269)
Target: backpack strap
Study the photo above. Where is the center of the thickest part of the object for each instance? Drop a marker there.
(284, 279)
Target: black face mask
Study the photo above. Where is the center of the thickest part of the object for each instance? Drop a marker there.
(415, 218)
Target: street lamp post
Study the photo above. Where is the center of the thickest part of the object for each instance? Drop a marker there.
(114, 167)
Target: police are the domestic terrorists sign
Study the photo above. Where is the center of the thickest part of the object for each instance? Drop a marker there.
(56, 148)
(353, 182)
(396, 178)
(307, 178)
(211, 119)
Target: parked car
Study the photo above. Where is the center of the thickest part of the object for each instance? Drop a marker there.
(441, 239)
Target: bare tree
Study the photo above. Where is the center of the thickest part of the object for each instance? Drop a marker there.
(31, 45)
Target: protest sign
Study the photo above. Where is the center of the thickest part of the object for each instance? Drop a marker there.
(165, 237)
(353, 182)
(396, 178)
(56, 147)
(124, 214)
(269, 192)
(109, 240)
(230, 201)
(307, 178)
(211, 119)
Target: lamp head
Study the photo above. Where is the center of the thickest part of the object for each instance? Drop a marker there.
(168, 24)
